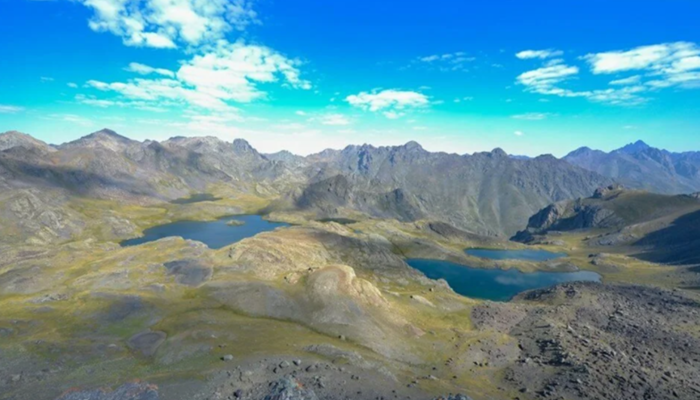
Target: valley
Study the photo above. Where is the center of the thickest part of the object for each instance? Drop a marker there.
(313, 292)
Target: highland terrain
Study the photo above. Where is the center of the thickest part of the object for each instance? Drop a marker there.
(327, 307)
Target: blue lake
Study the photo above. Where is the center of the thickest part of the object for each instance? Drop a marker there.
(526, 254)
(494, 284)
(215, 234)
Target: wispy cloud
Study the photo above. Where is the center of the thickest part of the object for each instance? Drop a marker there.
(164, 24)
(390, 102)
(518, 133)
(632, 80)
(146, 70)
(550, 79)
(544, 80)
(534, 116)
(664, 65)
(7, 109)
(457, 61)
(540, 54)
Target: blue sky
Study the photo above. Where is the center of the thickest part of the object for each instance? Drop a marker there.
(530, 77)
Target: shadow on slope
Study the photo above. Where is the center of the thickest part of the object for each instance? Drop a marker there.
(679, 243)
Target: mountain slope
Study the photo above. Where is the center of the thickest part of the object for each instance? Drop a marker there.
(641, 166)
(659, 228)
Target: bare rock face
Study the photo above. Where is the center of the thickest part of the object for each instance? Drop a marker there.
(289, 389)
(602, 192)
(129, 391)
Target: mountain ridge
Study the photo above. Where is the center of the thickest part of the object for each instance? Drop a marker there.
(485, 192)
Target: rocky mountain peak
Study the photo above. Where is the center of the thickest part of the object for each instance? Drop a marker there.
(242, 146)
(105, 138)
(498, 153)
(634, 148)
(580, 151)
(413, 146)
(12, 139)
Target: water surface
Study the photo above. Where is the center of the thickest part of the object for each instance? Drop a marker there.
(215, 234)
(525, 254)
(494, 284)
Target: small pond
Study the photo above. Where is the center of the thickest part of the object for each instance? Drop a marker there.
(215, 234)
(494, 284)
(525, 254)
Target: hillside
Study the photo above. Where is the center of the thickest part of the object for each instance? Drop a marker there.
(656, 227)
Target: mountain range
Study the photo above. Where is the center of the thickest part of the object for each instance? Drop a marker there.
(486, 193)
(641, 166)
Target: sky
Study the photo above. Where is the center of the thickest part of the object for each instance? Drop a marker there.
(530, 77)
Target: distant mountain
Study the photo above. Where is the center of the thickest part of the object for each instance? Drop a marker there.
(664, 228)
(641, 166)
(487, 193)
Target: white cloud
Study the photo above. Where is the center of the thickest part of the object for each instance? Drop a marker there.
(391, 102)
(547, 80)
(334, 119)
(146, 70)
(661, 66)
(665, 64)
(532, 116)
(46, 79)
(72, 85)
(632, 80)
(163, 23)
(543, 80)
(300, 113)
(518, 133)
(540, 54)
(7, 109)
(229, 72)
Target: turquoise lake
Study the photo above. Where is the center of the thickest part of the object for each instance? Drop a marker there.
(494, 284)
(215, 234)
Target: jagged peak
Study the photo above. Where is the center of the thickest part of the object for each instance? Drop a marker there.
(242, 145)
(107, 133)
(635, 147)
(579, 151)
